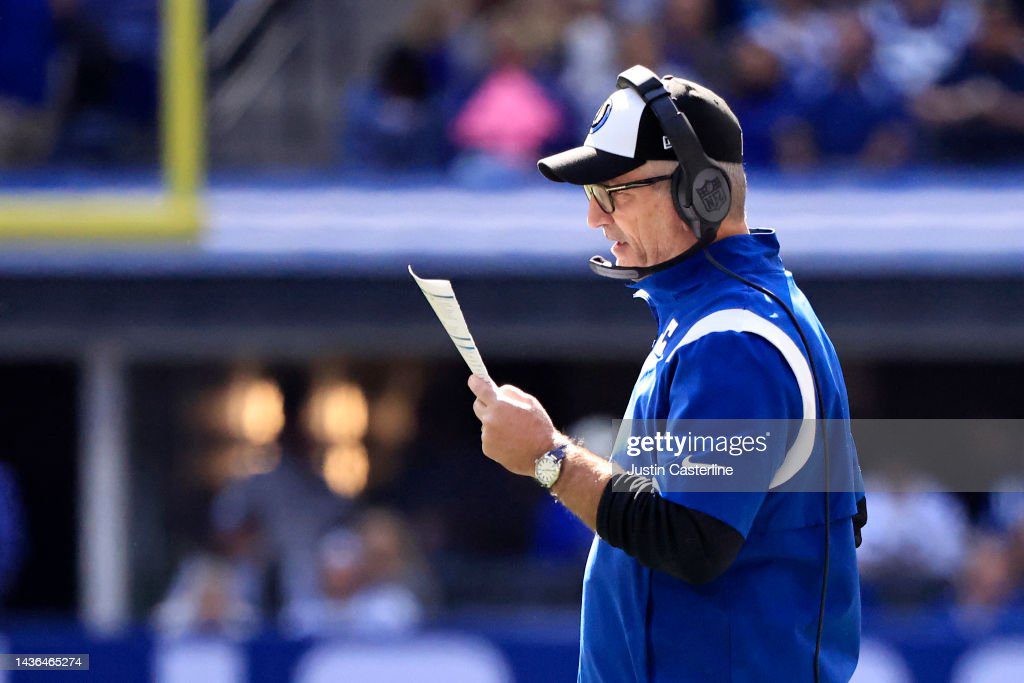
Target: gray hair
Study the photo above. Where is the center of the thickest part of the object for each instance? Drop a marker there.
(738, 184)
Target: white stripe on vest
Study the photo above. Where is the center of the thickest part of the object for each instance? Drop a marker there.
(741, 320)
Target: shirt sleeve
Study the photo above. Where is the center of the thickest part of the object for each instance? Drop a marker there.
(742, 386)
(671, 538)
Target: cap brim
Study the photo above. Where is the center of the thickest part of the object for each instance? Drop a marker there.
(585, 165)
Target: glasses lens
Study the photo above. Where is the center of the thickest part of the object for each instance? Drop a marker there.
(601, 195)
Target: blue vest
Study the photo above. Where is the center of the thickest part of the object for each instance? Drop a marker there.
(725, 350)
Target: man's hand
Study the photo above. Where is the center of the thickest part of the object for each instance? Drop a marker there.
(516, 430)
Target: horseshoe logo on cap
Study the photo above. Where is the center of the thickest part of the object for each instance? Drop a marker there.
(601, 116)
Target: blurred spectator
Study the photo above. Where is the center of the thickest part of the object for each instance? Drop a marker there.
(917, 41)
(590, 59)
(976, 112)
(505, 124)
(1006, 504)
(856, 116)
(918, 541)
(987, 590)
(801, 36)
(395, 121)
(692, 48)
(765, 105)
(986, 580)
(369, 580)
(469, 43)
(636, 11)
(113, 50)
(641, 44)
(681, 39)
(512, 116)
(1006, 512)
(488, 32)
(208, 597)
(12, 530)
(288, 508)
(27, 47)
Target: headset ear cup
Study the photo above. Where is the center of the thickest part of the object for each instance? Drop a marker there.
(692, 220)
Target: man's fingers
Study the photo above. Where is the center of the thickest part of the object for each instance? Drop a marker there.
(517, 393)
(483, 389)
(479, 409)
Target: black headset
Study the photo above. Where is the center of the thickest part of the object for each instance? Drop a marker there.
(701, 192)
(698, 177)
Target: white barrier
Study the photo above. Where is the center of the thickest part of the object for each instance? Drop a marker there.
(191, 660)
(997, 661)
(424, 660)
(879, 663)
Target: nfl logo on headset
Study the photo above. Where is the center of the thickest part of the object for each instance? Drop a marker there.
(711, 194)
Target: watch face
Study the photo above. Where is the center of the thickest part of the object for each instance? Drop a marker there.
(547, 470)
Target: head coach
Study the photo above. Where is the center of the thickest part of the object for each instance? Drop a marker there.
(692, 585)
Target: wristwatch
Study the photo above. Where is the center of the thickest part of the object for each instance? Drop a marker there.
(549, 466)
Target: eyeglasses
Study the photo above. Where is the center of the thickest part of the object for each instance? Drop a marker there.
(603, 194)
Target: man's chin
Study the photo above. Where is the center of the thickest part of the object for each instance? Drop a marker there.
(624, 256)
(627, 263)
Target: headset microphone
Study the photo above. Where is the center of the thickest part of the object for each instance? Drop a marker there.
(603, 267)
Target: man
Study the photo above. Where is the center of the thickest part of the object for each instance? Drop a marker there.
(684, 583)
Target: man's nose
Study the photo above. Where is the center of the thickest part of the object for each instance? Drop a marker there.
(596, 216)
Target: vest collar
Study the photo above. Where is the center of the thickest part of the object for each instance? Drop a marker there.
(750, 253)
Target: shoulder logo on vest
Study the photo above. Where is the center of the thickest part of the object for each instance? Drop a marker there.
(659, 346)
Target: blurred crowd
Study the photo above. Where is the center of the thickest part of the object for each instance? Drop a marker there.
(961, 554)
(483, 87)
(487, 86)
(284, 548)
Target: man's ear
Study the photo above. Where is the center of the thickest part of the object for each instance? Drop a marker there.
(682, 224)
